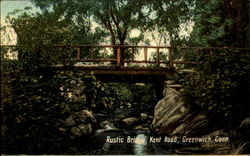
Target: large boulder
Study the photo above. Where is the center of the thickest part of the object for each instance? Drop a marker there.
(82, 129)
(172, 116)
(130, 121)
(75, 131)
(85, 116)
(85, 128)
(78, 124)
(243, 134)
(69, 121)
(245, 125)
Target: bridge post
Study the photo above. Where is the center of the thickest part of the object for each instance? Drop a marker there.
(146, 54)
(78, 53)
(170, 57)
(158, 57)
(118, 56)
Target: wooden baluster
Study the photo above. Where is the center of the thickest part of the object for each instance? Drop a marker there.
(145, 54)
(158, 57)
(133, 54)
(210, 52)
(197, 57)
(78, 53)
(118, 56)
(185, 56)
(65, 55)
(91, 52)
(170, 57)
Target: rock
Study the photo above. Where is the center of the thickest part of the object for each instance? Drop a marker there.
(70, 121)
(82, 129)
(243, 131)
(144, 127)
(223, 147)
(173, 117)
(191, 125)
(101, 115)
(186, 71)
(72, 137)
(93, 105)
(120, 117)
(174, 86)
(139, 127)
(168, 111)
(107, 126)
(144, 116)
(130, 121)
(245, 123)
(75, 131)
(85, 116)
(241, 148)
(62, 129)
(181, 90)
(191, 151)
(85, 128)
(151, 117)
(79, 123)
(118, 120)
(104, 124)
(169, 82)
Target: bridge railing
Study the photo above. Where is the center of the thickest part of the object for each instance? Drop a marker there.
(127, 55)
(120, 55)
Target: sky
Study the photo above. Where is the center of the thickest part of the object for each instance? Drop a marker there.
(8, 37)
(8, 6)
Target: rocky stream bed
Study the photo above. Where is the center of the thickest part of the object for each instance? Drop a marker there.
(172, 128)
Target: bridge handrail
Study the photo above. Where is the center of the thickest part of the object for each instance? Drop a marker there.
(133, 46)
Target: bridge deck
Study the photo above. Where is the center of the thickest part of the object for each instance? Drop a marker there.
(122, 74)
(116, 70)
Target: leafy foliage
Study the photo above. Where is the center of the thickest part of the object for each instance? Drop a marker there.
(221, 81)
(170, 16)
(221, 23)
(221, 84)
(34, 99)
(37, 34)
(33, 110)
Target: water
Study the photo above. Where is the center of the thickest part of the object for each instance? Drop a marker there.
(140, 147)
(116, 141)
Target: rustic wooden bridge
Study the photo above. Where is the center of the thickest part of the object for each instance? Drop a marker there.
(128, 62)
(136, 61)
(125, 62)
(121, 62)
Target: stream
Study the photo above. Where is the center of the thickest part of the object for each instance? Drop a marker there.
(112, 140)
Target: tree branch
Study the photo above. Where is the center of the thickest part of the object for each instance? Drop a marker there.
(117, 25)
(108, 25)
